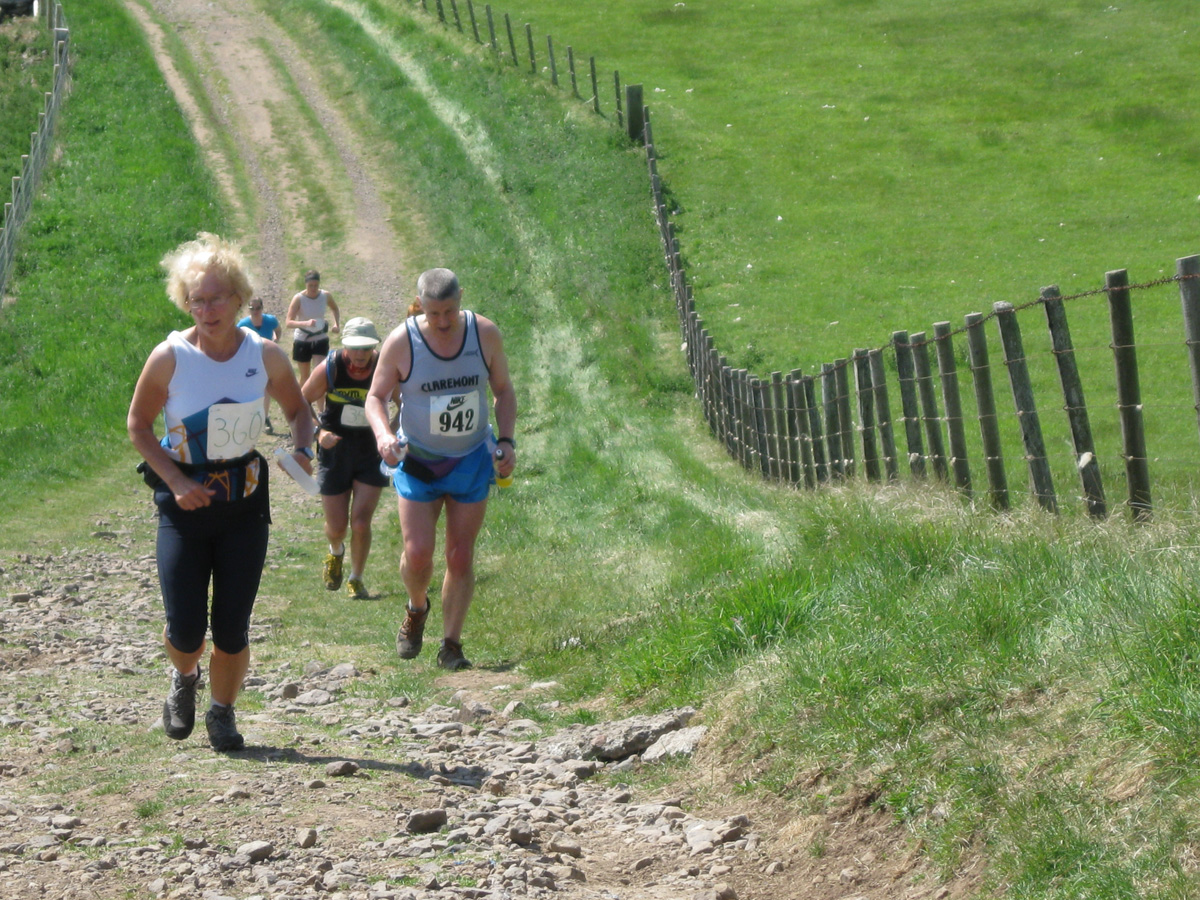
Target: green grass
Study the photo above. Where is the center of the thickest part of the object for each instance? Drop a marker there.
(129, 185)
(26, 73)
(1020, 688)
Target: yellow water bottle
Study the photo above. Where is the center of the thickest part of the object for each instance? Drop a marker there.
(501, 480)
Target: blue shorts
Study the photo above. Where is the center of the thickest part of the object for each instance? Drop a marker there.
(467, 483)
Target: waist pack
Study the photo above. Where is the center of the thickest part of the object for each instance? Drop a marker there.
(226, 476)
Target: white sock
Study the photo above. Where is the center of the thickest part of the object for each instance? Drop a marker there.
(341, 551)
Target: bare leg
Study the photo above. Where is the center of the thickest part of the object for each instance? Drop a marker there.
(226, 672)
(418, 526)
(463, 521)
(362, 511)
(185, 662)
(337, 517)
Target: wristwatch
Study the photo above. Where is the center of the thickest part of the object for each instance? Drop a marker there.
(507, 440)
(305, 451)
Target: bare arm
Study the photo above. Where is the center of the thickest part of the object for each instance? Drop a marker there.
(394, 357)
(504, 395)
(337, 313)
(282, 386)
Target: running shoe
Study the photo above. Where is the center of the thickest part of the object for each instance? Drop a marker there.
(222, 729)
(268, 427)
(179, 710)
(333, 571)
(450, 656)
(358, 590)
(412, 631)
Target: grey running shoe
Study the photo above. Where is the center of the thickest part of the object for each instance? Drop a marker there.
(179, 710)
(412, 631)
(333, 571)
(222, 729)
(450, 656)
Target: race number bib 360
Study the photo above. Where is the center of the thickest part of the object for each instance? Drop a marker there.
(455, 414)
(233, 428)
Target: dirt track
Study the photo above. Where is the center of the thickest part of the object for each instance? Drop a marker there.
(300, 822)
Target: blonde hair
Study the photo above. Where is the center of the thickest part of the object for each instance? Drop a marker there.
(188, 263)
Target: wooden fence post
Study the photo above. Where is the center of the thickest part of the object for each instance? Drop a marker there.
(883, 414)
(1074, 403)
(571, 70)
(617, 101)
(833, 426)
(457, 18)
(492, 29)
(635, 114)
(817, 439)
(512, 44)
(866, 413)
(1129, 394)
(474, 23)
(1022, 389)
(529, 41)
(782, 431)
(930, 417)
(985, 405)
(770, 440)
(909, 410)
(797, 427)
(841, 377)
(595, 86)
(1188, 270)
(441, 12)
(758, 400)
(550, 57)
(952, 401)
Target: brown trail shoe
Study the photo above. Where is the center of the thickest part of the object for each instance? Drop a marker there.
(450, 656)
(412, 631)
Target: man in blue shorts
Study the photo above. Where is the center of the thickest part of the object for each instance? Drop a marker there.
(443, 359)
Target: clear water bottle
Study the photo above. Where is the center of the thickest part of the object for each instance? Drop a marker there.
(401, 449)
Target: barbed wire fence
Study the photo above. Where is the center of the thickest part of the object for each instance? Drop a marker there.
(813, 430)
(25, 185)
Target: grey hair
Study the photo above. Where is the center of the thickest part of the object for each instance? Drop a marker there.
(438, 284)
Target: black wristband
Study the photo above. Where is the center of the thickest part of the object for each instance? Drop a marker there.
(507, 440)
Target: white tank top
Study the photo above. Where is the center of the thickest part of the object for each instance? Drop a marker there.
(214, 410)
(312, 308)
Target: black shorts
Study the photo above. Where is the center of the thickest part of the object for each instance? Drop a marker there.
(354, 458)
(304, 351)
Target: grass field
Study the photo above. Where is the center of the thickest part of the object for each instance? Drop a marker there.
(26, 73)
(1018, 688)
(844, 170)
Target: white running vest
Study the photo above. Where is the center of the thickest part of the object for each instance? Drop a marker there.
(214, 410)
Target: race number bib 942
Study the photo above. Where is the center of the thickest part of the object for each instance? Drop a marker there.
(455, 414)
(233, 428)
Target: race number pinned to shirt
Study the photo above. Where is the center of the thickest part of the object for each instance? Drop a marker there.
(233, 428)
(354, 416)
(455, 414)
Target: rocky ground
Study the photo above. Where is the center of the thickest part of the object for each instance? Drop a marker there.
(334, 795)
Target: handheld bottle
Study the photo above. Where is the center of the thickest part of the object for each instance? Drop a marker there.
(401, 449)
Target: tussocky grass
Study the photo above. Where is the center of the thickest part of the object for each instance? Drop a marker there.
(1016, 688)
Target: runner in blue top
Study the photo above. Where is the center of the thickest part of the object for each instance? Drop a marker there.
(267, 326)
(443, 359)
(210, 484)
